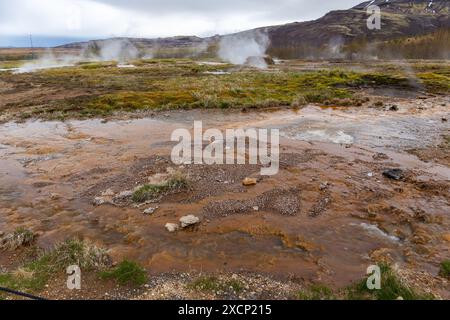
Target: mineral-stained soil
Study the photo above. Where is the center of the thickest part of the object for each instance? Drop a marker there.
(324, 218)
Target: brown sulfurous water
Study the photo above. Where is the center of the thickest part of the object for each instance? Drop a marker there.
(51, 171)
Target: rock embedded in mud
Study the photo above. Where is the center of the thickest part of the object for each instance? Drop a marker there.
(324, 186)
(124, 195)
(98, 201)
(108, 193)
(394, 174)
(55, 196)
(150, 210)
(394, 108)
(249, 182)
(380, 156)
(172, 227)
(189, 220)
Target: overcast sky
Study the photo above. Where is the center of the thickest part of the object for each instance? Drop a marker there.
(152, 18)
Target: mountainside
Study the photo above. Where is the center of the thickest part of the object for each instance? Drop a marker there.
(338, 34)
(400, 18)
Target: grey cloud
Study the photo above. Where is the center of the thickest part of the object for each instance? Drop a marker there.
(281, 9)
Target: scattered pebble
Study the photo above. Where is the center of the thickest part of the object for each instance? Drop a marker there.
(98, 201)
(150, 210)
(172, 227)
(189, 220)
(394, 174)
(108, 193)
(55, 196)
(393, 108)
(249, 182)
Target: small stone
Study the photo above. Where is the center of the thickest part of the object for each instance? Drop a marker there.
(150, 210)
(124, 195)
(324, 186)
(372, 214)
(55, 196)
(393, 108)
(172, 227)
(444, 119)
(370, 174)
(400, 298)
(249, 182)
(108, 193)
(380, 156)
(98, 201)
(189, 220)
(255, 208)
(394, 174)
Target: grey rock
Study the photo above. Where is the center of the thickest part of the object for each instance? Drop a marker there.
(189, 220)
(394, 174)
(172, 227)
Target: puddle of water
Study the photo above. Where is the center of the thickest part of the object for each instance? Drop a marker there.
(8, 69)
(126, 66)
(211, 63)
(218, 73)
(374, 230)
(380, 129)
(338, 137)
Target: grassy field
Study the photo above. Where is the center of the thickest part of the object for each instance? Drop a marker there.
(101, 89)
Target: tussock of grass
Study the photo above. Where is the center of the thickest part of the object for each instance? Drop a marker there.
(151, 191)
(214, 284)
(392, 287)
(34, 275)
(19, 238)
(126, 273)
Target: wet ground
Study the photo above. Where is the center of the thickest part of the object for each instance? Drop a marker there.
(325, 217)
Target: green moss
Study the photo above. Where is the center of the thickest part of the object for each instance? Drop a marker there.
(152, 191)
(435, 82)
(127, 273)
(445, 269)
(214, 284)
(35, 274)
(316, 292)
